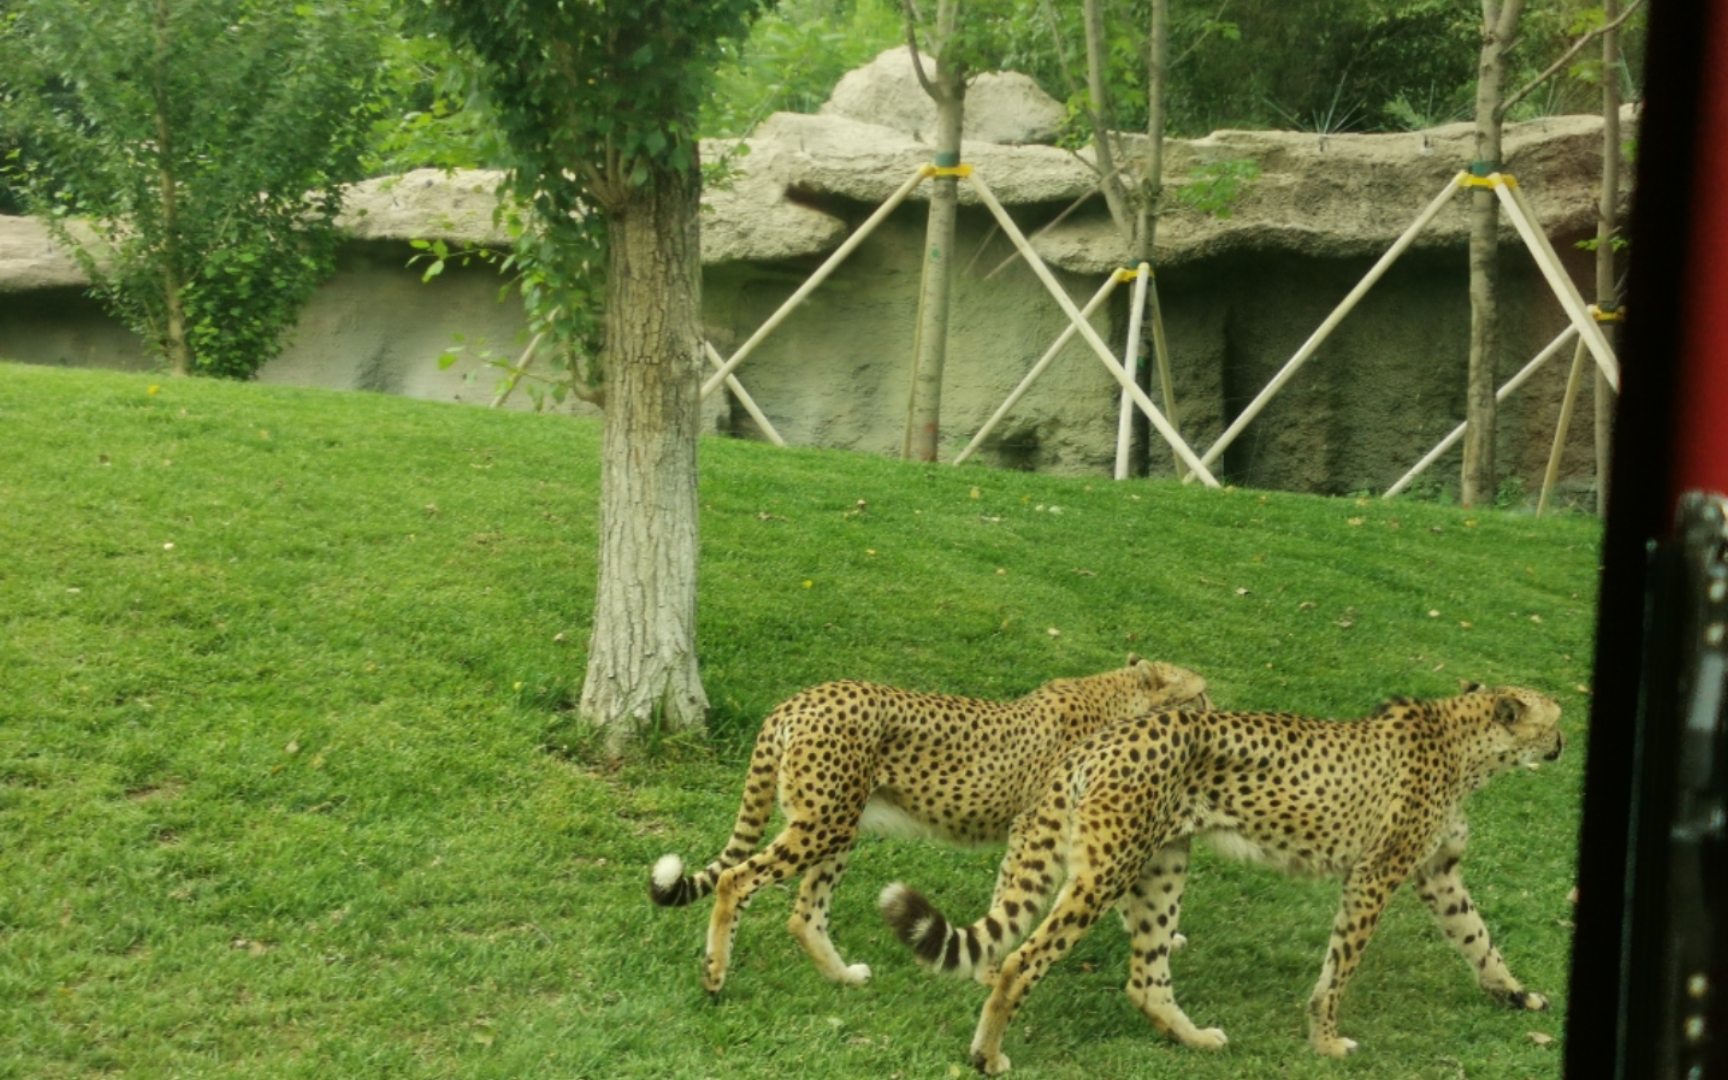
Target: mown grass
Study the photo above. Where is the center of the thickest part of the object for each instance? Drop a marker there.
(285, 680)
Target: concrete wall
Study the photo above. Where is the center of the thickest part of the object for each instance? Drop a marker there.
(1388, 385)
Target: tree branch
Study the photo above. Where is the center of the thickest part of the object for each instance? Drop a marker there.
(1204, 34)
(1098, 112)
(1565, 58)
(1061, 48)
(912, 45)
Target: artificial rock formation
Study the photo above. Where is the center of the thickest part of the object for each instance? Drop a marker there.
(1240, 292)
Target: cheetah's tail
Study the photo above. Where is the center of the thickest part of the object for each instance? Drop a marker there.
(669, 886)
(934, 940)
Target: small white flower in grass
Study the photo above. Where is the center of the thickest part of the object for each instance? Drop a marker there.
(169, 546)
(1053, 632)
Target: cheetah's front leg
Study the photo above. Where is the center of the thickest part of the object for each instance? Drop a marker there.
(1441, 886)
(1150, 911)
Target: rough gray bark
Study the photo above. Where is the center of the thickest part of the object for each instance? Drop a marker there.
(924, 409)
(642, 655)
(1477, 483)
(1606, 225)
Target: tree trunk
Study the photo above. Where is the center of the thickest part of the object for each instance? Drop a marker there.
(1477, 484)
(1146, 236)
(642, 671)
(1606, 225)
(930, 354)
(174, 347)
(1096, 61)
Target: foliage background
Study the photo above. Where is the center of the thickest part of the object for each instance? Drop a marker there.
(252, 114)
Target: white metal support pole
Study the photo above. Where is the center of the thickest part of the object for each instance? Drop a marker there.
(1499, 395)
(815, 279)
(520, 369)
(1125, 379)
(743, 395)
(1574, 379)
(1130, 361)
(1050, 354)
(1325, 329)
(1559, 280)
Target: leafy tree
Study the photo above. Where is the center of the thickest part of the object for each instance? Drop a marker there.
(597, 104)
(190, 154)
(435, 113)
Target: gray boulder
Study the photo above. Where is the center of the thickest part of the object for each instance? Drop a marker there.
(1001, 107)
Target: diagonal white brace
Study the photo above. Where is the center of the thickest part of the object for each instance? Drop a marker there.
(1499, 395)
(1124, 378)
(1324, 330)
(1050, 354)
(1518, 209)
(820, 275)
(743, 396)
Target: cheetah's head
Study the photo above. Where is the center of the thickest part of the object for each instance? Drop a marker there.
(1157, 684)
(1525, 727)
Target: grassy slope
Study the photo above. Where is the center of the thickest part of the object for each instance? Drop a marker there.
(274, 801)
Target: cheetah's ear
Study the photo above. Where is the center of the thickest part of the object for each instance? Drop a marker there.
(1466, 686)
(1152, 676)
(1507, 710)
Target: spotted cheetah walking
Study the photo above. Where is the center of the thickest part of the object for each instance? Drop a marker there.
(1376, 801)
(849, 755)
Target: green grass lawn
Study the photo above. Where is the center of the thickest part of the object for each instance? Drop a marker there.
(289, 785)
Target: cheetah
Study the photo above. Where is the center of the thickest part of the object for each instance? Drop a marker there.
(1374, 801)
(845, 756)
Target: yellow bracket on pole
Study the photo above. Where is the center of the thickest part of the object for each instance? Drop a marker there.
(961, 171)
(1613, 315)
(1125, 275)
(1493, 180)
